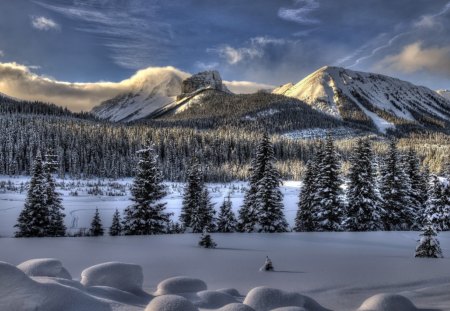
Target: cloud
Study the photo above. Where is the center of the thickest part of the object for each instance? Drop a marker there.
(18, 81)
(246, 87)
(300, 14)
(44, 23)
(252, 49)
(206, 66)
(432, 20)
(2, 53)
(414, 58)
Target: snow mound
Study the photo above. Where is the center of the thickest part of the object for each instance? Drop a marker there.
(123, 276)
(387, 302)
(236, 307)
(170, 303)
(213, 299)
(18, 292)
(179, 285)
(290, 309)
(230, 291)
(266, 299)
(44, 267)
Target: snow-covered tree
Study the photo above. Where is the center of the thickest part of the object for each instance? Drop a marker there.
(304, 220)
(364, 212)
(268, 265)
(116, 225)
(96, 225)
(53, 199)
(192, 193)
(202, 217)
(394, 189)
(436, 212)
(206, 240)
(328, 209)
(226, 221)
(429, 246)
(263, 207)
(147, 215)
(33, 221)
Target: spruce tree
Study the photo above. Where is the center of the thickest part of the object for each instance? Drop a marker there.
(116, 225)
(226, 222)
(304, 220)
(96, 225)
(147, 215)
(328, 209)
(206, 240)
(54, 205)
(33, 221)
(394, 189)
(436, 212)
(429, 246)
(364, 212)
(202, 217)
(263, 207)
(192, 193)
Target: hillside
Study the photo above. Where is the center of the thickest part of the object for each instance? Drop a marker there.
(381, 102)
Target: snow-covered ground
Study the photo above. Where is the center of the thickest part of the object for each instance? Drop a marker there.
(80, 209)
(338, 270)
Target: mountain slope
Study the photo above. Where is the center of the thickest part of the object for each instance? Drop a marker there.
(378, 101)
(444, 93)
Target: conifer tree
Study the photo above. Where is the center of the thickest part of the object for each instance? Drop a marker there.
(364, 210)
(116, 225)
(436, 212)
(33, 221)
(429, 246)
(206, 240)
(304, 220)
(263, 208)
(394, 189)
(54, 205)
(96, 225)
(226, 222)
(328, 209)
(202, 217)
(147, 215)
(192, 193)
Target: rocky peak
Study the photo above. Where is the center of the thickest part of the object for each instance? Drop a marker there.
(202, 80)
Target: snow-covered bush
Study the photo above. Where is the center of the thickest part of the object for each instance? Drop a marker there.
(429, 246)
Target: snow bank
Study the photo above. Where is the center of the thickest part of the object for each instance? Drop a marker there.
(266, 299)
(170, 303)
(18, 292)
(179, 285)
(230, 291)
(290, 309)
(123, 276)
(387, 302)
(212, 299)
(236, 307)
(44, 267)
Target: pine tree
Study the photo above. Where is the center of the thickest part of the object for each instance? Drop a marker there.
(147, 214)
(202, 217)
(54, 205)
(263, 203)
(429, 246)
(33, 221)
(328, 209)
(364, 210)
(206, 240)
(226, 222)
(394, 189)
(96, 225)
(304, 220)
(116, 225)
(192, 193)
(436, 212)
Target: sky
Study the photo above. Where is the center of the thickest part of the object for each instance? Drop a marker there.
(269, 42)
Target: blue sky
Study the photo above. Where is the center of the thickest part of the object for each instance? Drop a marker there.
(266, 41)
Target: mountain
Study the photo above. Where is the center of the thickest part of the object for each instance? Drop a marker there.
(444, 93)
(376, 101)
(158, 92)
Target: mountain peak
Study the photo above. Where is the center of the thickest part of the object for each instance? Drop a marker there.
(202, 80)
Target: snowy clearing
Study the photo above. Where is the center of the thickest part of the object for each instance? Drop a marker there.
(337, 270)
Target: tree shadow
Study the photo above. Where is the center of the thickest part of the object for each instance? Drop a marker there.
(288, 271)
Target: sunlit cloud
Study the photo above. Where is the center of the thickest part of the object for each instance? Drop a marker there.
(246, 87)
(44, 23)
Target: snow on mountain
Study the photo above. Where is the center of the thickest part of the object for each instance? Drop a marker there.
(382, 102)
(153, 91)
(444, 93)
(156, 92)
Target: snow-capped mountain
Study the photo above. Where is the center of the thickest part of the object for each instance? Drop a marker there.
(158, 93)
(444, 93)
(376, 100)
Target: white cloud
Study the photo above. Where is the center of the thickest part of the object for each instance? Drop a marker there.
(2, 53)
(206, 66)
(300, 13)
(246, 87)
(414, 58)
(44, 23)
